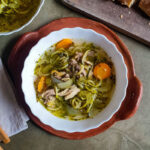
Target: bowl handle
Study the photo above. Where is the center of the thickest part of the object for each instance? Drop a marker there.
(132, 99)
(27, 40)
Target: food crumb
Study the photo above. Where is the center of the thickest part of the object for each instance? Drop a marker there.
(121, 16)
(129, 12)
(149, 23)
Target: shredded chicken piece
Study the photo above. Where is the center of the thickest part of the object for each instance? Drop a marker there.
(61, 75)
(51, 102)
(48, 93)
(49, 99)
(78, 56)
(74, 66)
(73, 62)
(70, 92)
(66, 77)
(78, 68)
(49, 96)
(64, 92)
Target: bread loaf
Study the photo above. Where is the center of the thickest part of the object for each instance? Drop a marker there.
(145, 6)
(128, 3)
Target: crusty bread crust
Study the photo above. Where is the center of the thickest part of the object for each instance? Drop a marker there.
(128, 3)
(145, 6)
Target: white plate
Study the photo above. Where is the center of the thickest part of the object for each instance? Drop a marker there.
(28, 79)
(19, 29)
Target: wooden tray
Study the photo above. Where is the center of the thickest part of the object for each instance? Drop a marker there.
(28, 40)
(134, 22)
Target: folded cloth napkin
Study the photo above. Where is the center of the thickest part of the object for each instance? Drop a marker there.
(13, 118)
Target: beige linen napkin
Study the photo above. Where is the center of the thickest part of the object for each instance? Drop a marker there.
(13, 119)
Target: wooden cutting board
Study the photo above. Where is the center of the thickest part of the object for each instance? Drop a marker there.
(130, 21)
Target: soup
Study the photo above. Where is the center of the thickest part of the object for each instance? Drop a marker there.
(74, 80)
(16, 13)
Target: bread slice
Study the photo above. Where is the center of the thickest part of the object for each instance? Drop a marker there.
(128, 3)
(145, 6)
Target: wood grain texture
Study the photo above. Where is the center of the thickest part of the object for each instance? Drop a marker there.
(28, 40)
(130, 21)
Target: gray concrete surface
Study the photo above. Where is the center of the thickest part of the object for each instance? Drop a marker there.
(132, 134)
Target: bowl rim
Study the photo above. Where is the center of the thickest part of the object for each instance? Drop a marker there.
(123, 61)
(27, 23)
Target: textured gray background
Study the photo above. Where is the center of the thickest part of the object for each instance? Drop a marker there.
(132, 134)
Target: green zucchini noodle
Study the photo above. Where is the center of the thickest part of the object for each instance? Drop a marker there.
(70, 90)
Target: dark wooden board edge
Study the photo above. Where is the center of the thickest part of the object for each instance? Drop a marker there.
(23, 46)
(73, 7)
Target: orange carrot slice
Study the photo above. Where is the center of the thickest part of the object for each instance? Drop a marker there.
(41, 84)
(65, 43)
(102, 71)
